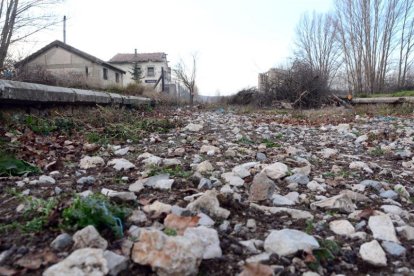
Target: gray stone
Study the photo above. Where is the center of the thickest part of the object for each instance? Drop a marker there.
(86, 180)
(126, 196)
(122, 152)
(393, 248)
(407, 232)
(62, 242)
(389, 194)
(261, 156)
(205, 184)
(298, 178)
(91, 162)
(46, 180)
(232, 179)
(89, 237)
(137, 217)
(294, 213)
(209, 204)
(372, 184)
(116, 263)
(382, 228)
(340, 202)
(276, 170)
(82, 262)
(372, 253)
(194, 127)
(279, 200)
(342, 227)
(205, 166)
(288, 241)
(261, 188)
(121, 164)
(208, 237)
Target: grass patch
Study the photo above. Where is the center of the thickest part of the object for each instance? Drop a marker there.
(170, 232)
(377, 152)
(244, 140)
(94, 210)
(327, 252)
(10, 166)
(270, 144)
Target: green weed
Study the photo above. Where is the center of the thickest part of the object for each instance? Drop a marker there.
(177, 171)
(170, 232)
(377, 152)
(245, 140)
(270, 144)
(94, 210)
(10, 166)
(310, 227)
(326, 253)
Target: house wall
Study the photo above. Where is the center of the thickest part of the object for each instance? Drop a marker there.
(146, 80)
(65, 64)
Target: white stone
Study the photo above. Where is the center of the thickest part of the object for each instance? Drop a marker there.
(137, 186)
(194, 127)
(232, 179)
(120, 164)
(372, 253)
(359, 165)
(205, 166)
(46, 180)
(209, 203)
(82, 262)
(315, 186)
(328, 153)
(342, 227)
(209, 149)
(157, 208)
(116, 263)
(361, 139)
(122, 152)
(382, 228)
(276, 170)
(89, 237)
(294, 213)
(171, 162)
(91, 162)
(407, 232)
(280, 200)
(152, 161)
(288, 241)
(209, 239)
(339, 202)
(127, 196)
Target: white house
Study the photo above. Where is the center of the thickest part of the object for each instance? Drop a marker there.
(64, 61)
(154, 68)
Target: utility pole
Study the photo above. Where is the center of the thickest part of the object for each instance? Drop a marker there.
(64, 29)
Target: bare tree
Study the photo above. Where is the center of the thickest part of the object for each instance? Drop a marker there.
(187, 76)
(20, 19)
(317, 44)
(406, 46)
(367, 31)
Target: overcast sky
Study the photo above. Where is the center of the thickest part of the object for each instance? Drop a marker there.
(234, 39)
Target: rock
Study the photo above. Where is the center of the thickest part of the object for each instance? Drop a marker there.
(389, 194)
(342, 227)
(116, 263)
(205, 220)
(152, 161)
(167, 255)
(257, 269)
(126, 196)
(298, 178)
(194, 127)
(293, 196)
(205, 184)
(407, 232)
(328, 153)
(232, 179)
(86, 261)
(261, 188)
(161, 182)
(89, 237)
(339, 202)
(137, 217)
(372, 253)
(276, 170)
(158, 208)
(393, 248)
(261, 156)
(137, 186)
(209, 150)
(372, 184)
(46, 180)
(251, 223)
(359, 165)
(86, 180)
(209, 203)
(402, 191)
(62, 242)
(361, 139)
(382, 228)
(120, 164)
(91, 162)
(294, 213)
(288, 241)
(315, 186)
(356, 197)
(205, 166)
(171, 162)
(209, 239)
(122, 152)
(280, 200)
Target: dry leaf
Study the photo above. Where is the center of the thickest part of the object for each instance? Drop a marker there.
(256, 269)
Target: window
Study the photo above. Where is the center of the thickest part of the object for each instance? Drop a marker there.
(116, 77)
(150, 72)
(105, 74)
(86, 71)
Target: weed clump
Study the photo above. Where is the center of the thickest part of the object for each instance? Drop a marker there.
(94, 210)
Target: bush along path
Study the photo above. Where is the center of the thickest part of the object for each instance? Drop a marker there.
(184, 192)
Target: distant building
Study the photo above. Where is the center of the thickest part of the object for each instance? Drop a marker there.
(64, 61)
(267, 79)
(155, 71)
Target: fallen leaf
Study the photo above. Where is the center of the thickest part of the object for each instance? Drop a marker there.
(366, 213)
